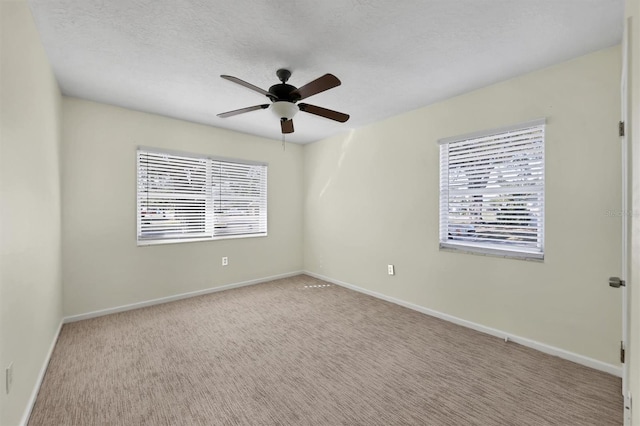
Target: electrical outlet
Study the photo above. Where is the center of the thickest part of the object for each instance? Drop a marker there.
(9, 377)
(225, 261)
(391, 270)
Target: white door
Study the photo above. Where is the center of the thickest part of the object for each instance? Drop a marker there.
(625, 213)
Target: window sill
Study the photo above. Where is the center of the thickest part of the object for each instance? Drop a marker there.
(144, 243)
(493, 252)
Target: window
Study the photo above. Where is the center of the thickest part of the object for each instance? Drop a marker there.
(184, 197)
(492, 191)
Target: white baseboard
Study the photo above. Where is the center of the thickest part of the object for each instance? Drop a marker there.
(161, 300)
(43, 370)
(542, 347)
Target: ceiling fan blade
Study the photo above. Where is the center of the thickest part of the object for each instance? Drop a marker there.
(326, 82)
(324, 112)
(242, 110)
(287, 126)
(245, 84)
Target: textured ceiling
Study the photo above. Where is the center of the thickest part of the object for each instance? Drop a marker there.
(166, 56)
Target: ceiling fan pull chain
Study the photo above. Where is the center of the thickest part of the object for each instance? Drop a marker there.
(283, 142)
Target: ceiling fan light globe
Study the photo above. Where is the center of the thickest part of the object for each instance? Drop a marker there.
(284, 109)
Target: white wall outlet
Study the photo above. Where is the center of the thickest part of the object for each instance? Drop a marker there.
(9, 377)
(225, 261)
(391, 270)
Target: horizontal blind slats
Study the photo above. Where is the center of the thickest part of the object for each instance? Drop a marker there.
(492, 190)
(187, 197)
(492, 138)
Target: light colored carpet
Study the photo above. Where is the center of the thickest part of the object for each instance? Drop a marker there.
(299, 351)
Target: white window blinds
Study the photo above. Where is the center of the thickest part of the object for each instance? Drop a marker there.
(185, 197)
(240, 198)
(492, 191)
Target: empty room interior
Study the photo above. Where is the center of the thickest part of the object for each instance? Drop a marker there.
(447, 234)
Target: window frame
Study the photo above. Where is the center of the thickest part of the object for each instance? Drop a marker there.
(211, 204)
(484, 248)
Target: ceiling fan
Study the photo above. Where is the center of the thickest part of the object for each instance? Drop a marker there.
(284, 96)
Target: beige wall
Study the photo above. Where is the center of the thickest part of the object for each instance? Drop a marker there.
(371, 199)
(30, 277)
(633, 128)
(103, 267)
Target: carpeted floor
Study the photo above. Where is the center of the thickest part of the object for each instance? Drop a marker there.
(300, 351)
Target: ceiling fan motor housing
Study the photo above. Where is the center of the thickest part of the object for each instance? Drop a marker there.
(283, 92)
